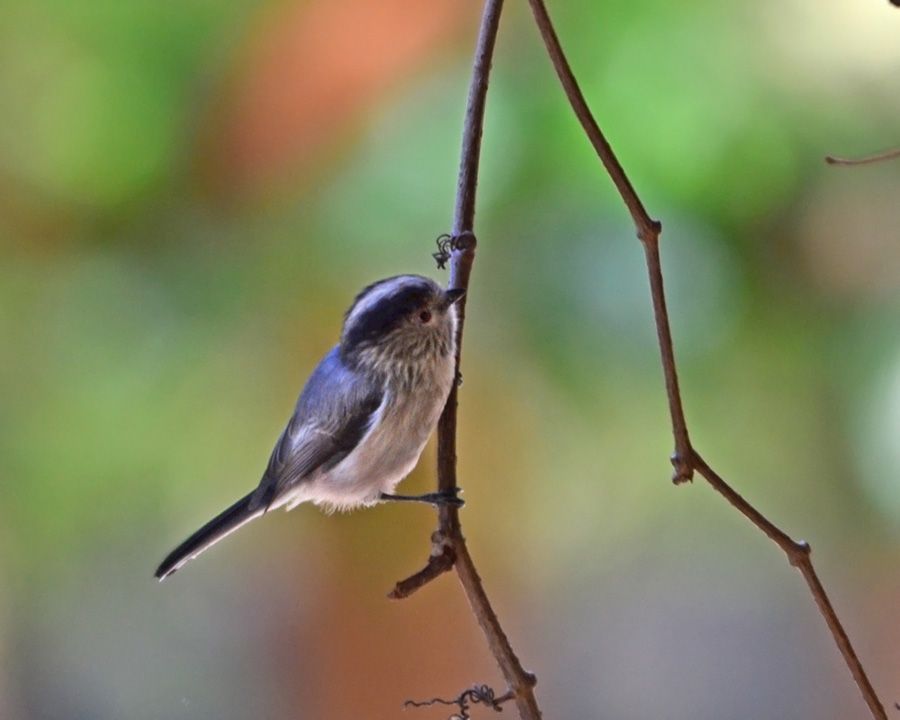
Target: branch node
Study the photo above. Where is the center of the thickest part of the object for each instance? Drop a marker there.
(799, 553)
(649, 229)
(464, 242)
(447, 244)
(649, 234)
(440, 543)
(684, 468)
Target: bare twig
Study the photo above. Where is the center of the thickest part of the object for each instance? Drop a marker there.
(798, 553)
(686, 460)
(442, 559)
(648, 231)
(448, 544)
(868, 160)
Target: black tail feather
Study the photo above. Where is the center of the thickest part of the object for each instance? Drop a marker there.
(223, 524)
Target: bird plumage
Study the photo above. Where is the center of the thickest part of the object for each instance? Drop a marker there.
(363, 417)
(216, 529)
(333, 413)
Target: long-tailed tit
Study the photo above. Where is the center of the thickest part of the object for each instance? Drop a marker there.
(365, 413)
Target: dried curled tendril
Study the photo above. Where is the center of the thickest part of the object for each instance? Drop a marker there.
(443, 242)
(447, 243)
(478, 694)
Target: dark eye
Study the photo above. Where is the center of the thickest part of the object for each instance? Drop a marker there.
(425, 316)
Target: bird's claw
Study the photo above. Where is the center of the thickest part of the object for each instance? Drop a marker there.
(449, 498)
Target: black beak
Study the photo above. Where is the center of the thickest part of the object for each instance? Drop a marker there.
(451, 296)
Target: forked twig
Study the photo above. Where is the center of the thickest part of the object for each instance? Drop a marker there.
(686, 460)
(449, 548)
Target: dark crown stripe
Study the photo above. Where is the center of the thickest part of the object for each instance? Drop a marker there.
(387, 312)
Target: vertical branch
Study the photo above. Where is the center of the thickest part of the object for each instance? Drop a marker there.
(473, 125)
(463, 244)
(448, 544)
(687, 460)
(681, 458)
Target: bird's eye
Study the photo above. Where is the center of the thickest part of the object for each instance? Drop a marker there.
(425, 316)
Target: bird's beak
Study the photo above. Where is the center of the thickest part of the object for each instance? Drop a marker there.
(450, 297)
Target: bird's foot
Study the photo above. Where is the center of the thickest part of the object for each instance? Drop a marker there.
(450, 498)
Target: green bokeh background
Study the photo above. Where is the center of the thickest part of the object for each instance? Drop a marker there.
(164, 291)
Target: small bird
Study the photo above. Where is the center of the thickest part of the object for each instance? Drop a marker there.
(364, 416)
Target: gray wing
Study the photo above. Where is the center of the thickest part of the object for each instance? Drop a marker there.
(333, 413)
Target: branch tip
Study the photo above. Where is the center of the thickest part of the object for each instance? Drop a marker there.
(867, 160)
(438, 563)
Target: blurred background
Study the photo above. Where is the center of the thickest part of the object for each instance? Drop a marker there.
(192, 193)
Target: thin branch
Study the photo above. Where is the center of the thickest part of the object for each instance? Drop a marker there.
(798, 553)
(520, 682)
(868, 160)
(448, 544)
(442, 559)
(648, 231)
(686, 459)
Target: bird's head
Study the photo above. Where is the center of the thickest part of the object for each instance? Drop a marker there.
(399, 322)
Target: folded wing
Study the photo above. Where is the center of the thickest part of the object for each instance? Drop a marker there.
(333, 414)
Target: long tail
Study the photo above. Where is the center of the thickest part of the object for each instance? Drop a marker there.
(223, 524)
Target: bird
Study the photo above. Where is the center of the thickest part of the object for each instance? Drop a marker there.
(363, 416)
